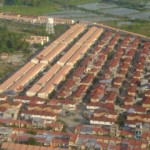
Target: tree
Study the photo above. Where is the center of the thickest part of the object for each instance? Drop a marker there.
(121, 120)
(32, 132)
(32, 141)
(12, 42)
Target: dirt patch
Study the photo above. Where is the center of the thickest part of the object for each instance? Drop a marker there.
(15, 58)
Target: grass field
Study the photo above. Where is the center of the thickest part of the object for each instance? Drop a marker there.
(5, 68)
(49, 7)
(75, 2)
(27, 10)
(141, 28)
(136, 27)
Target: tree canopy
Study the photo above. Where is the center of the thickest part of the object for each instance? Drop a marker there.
(32, 141)
(25, 2)
(12, 42)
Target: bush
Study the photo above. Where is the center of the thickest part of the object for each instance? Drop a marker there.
(32, 141)
(12, 42)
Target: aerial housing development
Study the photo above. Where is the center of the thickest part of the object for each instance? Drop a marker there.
(88, 89)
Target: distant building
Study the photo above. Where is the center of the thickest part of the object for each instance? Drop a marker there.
(114, 130)
(37, 39)
(5, 133)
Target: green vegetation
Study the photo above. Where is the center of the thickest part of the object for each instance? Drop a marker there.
(5, 68)
(31, 132)
(39, 7)
(29, 10)
(32, 141)
(25, 2)
(136, 26)
(121, 120)
(12, 42)
(134, 4)
(110, 56)
(59, 29)
(142, 28)
(23, 28)
(74, 2)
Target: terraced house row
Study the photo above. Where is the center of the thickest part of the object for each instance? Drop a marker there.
(29, 71)
(58, 71)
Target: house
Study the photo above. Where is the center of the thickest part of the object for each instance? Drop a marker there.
(137, 75)
(31, 114)
(147, 93)
(5, 132)
(127, 60)
(121, 73)
(69, 105)
(17, 123)
(130, 53)
(10, 104)
(16, 146)
(99, 113)
(127, 133)
(79, 74)
(110, 97)
(3, 97)
(138, 117)
(91, 130)
(114, 130)
(38, 122)
(135, 109)
(80, 93)
(129, 100)
(88, 79)
(103, 117)
(44, 107)
(11, 113)
(9, 109)
(97, 93)
(27, 99)
(37, 39)
(55, 126)
(114, 64)
(124, 67)
(146, 103)
(134, 82)
(102, 121)
(117, 81)
(59, 142)
(140, 67)
(132, 90)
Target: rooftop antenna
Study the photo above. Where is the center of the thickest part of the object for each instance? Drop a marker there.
(50, 26)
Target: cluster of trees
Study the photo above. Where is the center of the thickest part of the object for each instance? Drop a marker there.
(25, 2)
(12, 42)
